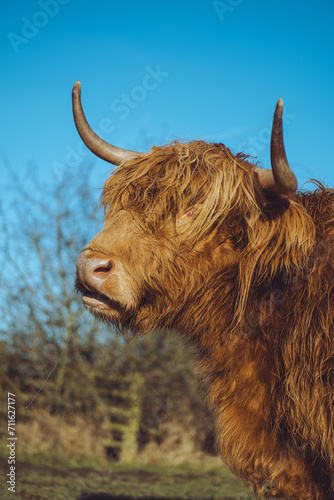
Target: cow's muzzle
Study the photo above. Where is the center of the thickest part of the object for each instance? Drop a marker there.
(93, 271)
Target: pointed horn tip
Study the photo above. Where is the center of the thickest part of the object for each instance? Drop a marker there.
(77, 86)
(279, 108)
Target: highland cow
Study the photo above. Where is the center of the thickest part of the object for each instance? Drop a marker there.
(205, 243)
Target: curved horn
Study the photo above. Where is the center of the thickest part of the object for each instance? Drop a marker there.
(98, 146)
(281, 178)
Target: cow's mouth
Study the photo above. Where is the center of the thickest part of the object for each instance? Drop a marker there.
(97, 300)
(94, 300)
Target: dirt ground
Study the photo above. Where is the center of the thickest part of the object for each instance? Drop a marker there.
(39, 482)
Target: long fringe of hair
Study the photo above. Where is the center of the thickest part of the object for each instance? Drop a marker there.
(221, 191)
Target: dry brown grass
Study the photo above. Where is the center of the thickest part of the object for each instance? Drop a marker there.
(52, 435)
(78, 440)
(180, 445)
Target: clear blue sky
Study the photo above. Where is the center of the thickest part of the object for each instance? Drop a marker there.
(153, 71)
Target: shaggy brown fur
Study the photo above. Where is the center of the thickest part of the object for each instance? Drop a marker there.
(248, 277)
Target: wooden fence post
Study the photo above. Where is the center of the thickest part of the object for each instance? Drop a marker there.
(124, 397)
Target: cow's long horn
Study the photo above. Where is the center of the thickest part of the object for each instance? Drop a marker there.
(281, 178)
(98, 146)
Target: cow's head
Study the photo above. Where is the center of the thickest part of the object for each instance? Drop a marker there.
(177, 220)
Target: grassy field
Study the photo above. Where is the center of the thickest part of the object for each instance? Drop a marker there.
(37, 482)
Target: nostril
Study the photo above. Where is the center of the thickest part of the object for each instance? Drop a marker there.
(103, 268)
(93, 270)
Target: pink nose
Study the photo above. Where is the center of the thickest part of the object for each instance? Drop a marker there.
(92, 271)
